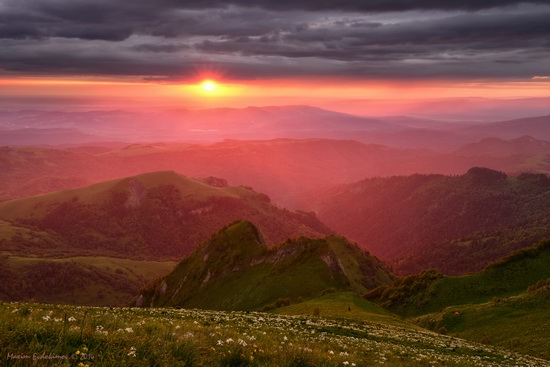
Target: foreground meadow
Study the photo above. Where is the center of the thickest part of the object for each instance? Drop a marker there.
(50, 335)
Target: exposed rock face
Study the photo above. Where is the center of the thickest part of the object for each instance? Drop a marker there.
(136, 193)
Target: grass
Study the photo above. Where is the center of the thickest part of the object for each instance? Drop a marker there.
(112, 337)
(521, 323)
(510, 277)
(345, 305)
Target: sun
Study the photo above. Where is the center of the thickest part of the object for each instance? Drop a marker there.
(209, 86)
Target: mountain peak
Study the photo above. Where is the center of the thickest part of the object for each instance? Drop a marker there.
(235, 270)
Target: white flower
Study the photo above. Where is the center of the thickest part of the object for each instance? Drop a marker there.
(229, 340)
(129, 330)
(46, 318)
(345, 363)
(71, 319)
(132, 352)
(330, 352)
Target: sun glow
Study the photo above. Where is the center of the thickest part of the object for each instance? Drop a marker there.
(209, 86)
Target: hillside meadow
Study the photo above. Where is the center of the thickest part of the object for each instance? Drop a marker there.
(53, 335)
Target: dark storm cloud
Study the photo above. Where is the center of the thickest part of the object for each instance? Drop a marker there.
(170, 40)
(350, 42)
(356, 5)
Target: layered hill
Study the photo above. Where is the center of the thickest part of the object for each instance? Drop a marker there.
(100, 244)
(235, 270)
(455, 224)
(154, 215)
(495, 147)
(292, 172)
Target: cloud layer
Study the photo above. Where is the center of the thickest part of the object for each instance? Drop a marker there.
(174, 40)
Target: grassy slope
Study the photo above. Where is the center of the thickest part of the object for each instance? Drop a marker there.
(345, 305)
(85, 280)
(520, 323)
(253, 288)
(169, 337)
(98, 193)
(509, 277)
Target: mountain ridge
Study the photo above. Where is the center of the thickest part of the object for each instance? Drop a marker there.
(235, 270)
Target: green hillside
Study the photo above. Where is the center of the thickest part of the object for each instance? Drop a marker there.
(156, 215)
(520, 323)
(431, 291)
(80, 280)
(235, 270)
(55, 246)
(455, 224)
(99, 193)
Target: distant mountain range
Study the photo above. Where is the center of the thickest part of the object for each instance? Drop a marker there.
(34, 127)
(494, 147)
(235, 270)
(455, 224)
(294, 173)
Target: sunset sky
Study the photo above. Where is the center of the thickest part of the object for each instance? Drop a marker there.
(330, 53)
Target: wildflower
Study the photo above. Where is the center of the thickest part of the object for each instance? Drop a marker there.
(345, 363)
(71, 319)
(46, 318)
(330, 352)
(229, 340)
(219, 342)
(132, 352)
(129, 330)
